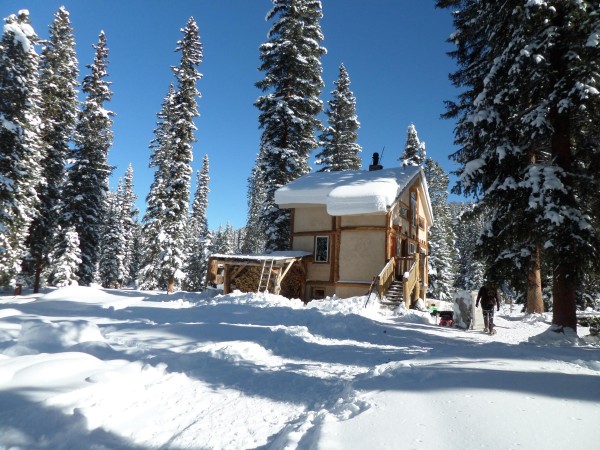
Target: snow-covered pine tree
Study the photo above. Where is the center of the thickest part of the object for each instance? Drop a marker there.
(168, 200)
(20, 144)
(470, 271)
(151, 274)
(340, 149)
(197, 233)
(86, 187)
(254, 237)
(129, 224)
(59, 107)
(442, 254)
(414, 149)
(531, 79)
(222, 242)
(113, 245)
(65, 267)
(181, 153)
(291, 60)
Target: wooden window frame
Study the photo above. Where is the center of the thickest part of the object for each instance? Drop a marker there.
(316, 293)
(316, 255)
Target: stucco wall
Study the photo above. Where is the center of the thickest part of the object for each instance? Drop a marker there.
(319, 272)
(362, 255)
(304, 243)
(352, 291)
(313, 218)
(367, 220)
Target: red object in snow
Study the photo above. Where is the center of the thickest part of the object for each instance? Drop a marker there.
(446, 318)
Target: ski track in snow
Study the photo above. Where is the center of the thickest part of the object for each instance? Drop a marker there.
(89, 368)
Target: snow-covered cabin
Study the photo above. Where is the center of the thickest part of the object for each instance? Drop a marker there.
(359, 225)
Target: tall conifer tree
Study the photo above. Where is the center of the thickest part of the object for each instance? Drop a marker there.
(198, 233)
(168, 201)
(442, 256)
(531, 80)
(291, 60)
(87, 179)
(414, 149)
(254, 237)
(59, 108)
(113, 244)
(20, 144)
(128, 213)
(340, 149)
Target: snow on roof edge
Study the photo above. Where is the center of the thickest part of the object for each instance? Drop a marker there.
(350, 192)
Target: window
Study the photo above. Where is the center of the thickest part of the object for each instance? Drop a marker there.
(412, 249)
(413, 208)
(321, 249)
(318, 293)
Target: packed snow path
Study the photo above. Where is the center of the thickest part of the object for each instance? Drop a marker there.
(90, 368)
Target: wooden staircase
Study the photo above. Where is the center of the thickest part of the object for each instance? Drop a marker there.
(394, 295)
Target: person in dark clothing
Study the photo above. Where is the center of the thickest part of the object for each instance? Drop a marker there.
(488, 296)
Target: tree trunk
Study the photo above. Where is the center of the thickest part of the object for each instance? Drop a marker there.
(535, 302)
(37, 275)
(171, 284)
(563, 290)
(563, 281)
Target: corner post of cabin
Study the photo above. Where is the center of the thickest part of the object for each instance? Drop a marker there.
(226, 279)
(337, 242)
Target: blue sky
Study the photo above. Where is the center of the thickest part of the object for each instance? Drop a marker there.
(394, 51)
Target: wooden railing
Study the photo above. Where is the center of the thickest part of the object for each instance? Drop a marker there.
(406, 267)
(410, 278)
(386, 277)
(404, 264)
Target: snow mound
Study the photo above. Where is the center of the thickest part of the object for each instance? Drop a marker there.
(52, 337)
(557, 337)
(535, 318)
(90, 295)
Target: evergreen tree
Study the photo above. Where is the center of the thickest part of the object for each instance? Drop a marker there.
(289, 107)
(531, 79)
(59, 107)
(20, 144)
(197, 258)
(222, 242)
(87, 179)
(65, 267)
(254, 237)
(466, 226)
(128, 220)
(167, 214)
(340, 150)
(151, 271)
(414, 149)
(442, 256)
(113, 245)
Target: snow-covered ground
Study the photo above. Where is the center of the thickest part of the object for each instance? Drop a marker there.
(84, 368)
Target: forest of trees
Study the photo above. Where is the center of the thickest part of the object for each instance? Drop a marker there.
(528, 153)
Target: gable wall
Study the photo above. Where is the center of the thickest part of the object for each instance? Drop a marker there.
(362, 254)
(365, 220)
(311, 218)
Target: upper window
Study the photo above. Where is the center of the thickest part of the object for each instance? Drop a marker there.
(413, 208)
(322, 249)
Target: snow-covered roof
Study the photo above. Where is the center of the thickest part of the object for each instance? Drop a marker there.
(275, 256)
(351, 192)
